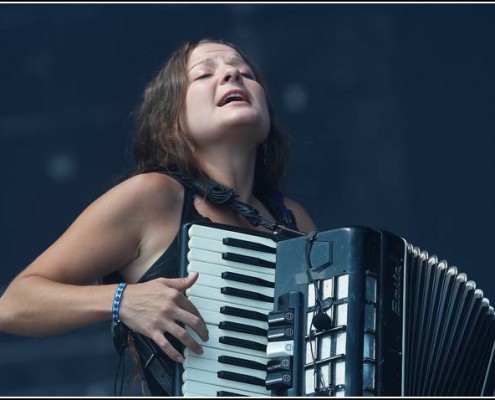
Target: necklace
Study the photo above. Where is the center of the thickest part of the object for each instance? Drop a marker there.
(222, 195)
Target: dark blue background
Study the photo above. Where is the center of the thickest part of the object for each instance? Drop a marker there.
(390, 109)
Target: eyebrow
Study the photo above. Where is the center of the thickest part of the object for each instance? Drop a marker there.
(234, 60)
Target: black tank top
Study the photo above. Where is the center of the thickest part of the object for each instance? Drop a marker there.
(168, 265)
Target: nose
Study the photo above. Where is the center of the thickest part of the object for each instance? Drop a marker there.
(231, 73)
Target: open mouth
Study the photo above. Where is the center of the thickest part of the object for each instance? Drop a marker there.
(233, 97)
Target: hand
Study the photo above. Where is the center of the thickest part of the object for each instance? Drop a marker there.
(158, 306)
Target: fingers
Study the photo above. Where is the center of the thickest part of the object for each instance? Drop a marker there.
(182, 284)
(159, 306)
(167, 347)
(197, 324)
(182, 302)
(180, 311)
(185, 338)
(175, 297)
(182, 335)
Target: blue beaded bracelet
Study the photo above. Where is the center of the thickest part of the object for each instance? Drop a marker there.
(116, 301)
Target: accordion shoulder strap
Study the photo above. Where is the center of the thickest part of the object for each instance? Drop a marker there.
(219, 194)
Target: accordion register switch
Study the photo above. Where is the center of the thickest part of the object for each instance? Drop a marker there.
(280, 350)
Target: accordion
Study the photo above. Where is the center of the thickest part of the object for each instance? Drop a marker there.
(352, 311)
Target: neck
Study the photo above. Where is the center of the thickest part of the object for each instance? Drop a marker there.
(233, 169)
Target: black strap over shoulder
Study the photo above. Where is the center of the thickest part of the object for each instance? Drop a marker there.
(219, 194)
(275, 204)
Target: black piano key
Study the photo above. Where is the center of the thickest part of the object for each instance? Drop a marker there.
(244, 244)
(236, 377)
(246, 294)
(232, 276)
(245, 344)
(240, 312)
(241, 362)
(248, 260)
(243, 328)
(224, 393)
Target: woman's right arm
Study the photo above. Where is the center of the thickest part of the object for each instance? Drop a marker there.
(57, 291)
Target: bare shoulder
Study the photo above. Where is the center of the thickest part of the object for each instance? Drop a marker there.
(145, 193)
(304, 220)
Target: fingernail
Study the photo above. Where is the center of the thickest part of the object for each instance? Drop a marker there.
(179, 359)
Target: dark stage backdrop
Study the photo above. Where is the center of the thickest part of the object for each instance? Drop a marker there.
(390, 110)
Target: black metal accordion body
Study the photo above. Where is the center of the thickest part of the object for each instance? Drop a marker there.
(346, 312)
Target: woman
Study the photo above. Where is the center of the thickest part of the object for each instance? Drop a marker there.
(204, 116)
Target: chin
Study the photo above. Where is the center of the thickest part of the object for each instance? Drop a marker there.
(255, 131)
(248, 121)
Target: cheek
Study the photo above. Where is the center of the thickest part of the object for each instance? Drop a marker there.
(188, 111)
(262, 101)
(196, 115)
(195, 105)
(265, 115)
(183, 120)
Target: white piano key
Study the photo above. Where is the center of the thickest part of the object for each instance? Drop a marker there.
(219, 234)
(216, 258)
(218, 247)
(214, 305)
(212, 353)
(193, 394)
(214, 318)
(194, 388)
(214, 341)
(214, 293)
(192, 374)
(216, 282)
(216, 270)
(215, 366)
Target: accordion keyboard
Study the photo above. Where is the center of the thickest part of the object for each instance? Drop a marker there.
(234, 294)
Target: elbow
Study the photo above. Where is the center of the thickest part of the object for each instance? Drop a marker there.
(6, 316)
(13, 320)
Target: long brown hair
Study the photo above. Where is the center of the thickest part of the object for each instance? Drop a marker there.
(161, 142)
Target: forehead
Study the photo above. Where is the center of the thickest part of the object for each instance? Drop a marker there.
(213, 51)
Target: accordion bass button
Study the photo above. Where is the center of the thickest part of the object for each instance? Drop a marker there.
(277, 318)
(281, 333)
(278, 381)
(279, 365)
(280, 349)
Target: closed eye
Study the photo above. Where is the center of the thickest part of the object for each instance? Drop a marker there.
(203, 76)
(248, 75)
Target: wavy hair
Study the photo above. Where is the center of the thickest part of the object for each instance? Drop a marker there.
(160, 142)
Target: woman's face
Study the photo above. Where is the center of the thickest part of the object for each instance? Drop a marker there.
(223, 101)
